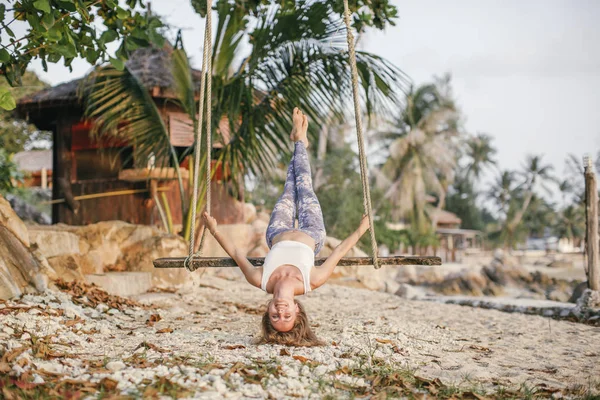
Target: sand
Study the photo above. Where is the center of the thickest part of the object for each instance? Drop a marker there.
(215, 324)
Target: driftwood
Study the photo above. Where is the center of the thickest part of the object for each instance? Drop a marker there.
(218, 262)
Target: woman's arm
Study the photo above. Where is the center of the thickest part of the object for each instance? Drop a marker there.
(320, 275)
(253, 274)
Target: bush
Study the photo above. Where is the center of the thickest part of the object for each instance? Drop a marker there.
(9, 172)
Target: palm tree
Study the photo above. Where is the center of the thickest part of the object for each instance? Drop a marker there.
(501, 191)
(423, 153)
(513, 201)
(535, 173)
(540, 216)
(294, 60)
(479, 153)
(570, 223)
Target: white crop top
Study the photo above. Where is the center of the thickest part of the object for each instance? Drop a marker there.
(289, 252)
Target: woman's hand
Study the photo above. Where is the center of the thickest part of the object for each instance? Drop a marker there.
(210, 222)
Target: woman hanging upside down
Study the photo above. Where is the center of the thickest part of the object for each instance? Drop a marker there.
(289, 268)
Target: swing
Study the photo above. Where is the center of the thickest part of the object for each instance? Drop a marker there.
(192, 262)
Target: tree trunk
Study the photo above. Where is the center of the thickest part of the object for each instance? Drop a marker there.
(511, 225)
(321, 153)
(516, 220)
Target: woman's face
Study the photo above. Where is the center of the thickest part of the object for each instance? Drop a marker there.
(282, 313)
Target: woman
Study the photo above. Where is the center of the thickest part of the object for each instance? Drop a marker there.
(289, 268)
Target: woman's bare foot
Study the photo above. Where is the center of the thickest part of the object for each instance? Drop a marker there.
(300, 127)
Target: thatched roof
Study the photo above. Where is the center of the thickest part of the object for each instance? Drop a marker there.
(445, 217)
(150, 65)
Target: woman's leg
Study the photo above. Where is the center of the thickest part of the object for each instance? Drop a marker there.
(284, 212)
(310, 216)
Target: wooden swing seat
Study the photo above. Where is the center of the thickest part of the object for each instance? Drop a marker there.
(225, 262)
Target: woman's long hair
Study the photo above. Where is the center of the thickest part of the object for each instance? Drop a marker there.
(300, 335)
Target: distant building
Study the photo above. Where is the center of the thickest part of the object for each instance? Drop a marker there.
(454, 242)
(37, 167)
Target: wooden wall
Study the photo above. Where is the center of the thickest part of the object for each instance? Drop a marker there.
(132, 208)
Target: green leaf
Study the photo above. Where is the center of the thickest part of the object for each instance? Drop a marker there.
(48, 20)
(118, 64)
(2, 10)
(122, 14)
(156, 38)
(54, 57)
(9, 31)
(91, 56)
(139, 34)
(200, 7)
(12, 74)
(66, 50)
(108, 36)
(130, 44)
(43, 5)
(7, 101)
(4, 56)
(34, 21)
(54, 34)
(67, 5)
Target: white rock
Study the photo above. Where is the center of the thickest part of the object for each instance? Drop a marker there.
(18, 369)
(115, 366)
(102, 307)
(95, 315)
(38, 379)
(8, 330)
(220, 386)
(105, 330)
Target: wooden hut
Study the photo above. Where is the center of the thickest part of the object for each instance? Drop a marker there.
(88, 175)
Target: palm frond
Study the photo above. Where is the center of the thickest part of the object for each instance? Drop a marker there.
(184, 84)
(123, 111)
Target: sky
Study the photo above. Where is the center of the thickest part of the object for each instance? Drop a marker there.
(526, 72)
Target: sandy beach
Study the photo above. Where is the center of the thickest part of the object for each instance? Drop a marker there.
(200, 340)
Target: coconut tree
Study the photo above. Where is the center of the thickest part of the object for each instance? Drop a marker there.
(534, 173)
(570, 223)
(540, 217)
(479, 154)
(293, 59)
(423, 150)
(514, 200)
(501, 191)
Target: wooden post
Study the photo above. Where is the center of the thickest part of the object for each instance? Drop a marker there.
(591, 207)
(44, 178)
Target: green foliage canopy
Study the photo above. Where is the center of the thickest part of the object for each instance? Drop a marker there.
(17, 135)
(377, 14)
(63, 30)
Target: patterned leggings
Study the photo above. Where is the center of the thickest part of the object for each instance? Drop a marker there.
(298, 193)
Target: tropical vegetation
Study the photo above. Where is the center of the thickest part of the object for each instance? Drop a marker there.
(296, 58)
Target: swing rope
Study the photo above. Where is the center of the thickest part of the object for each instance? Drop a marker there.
(205, 90)
(364, 172)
